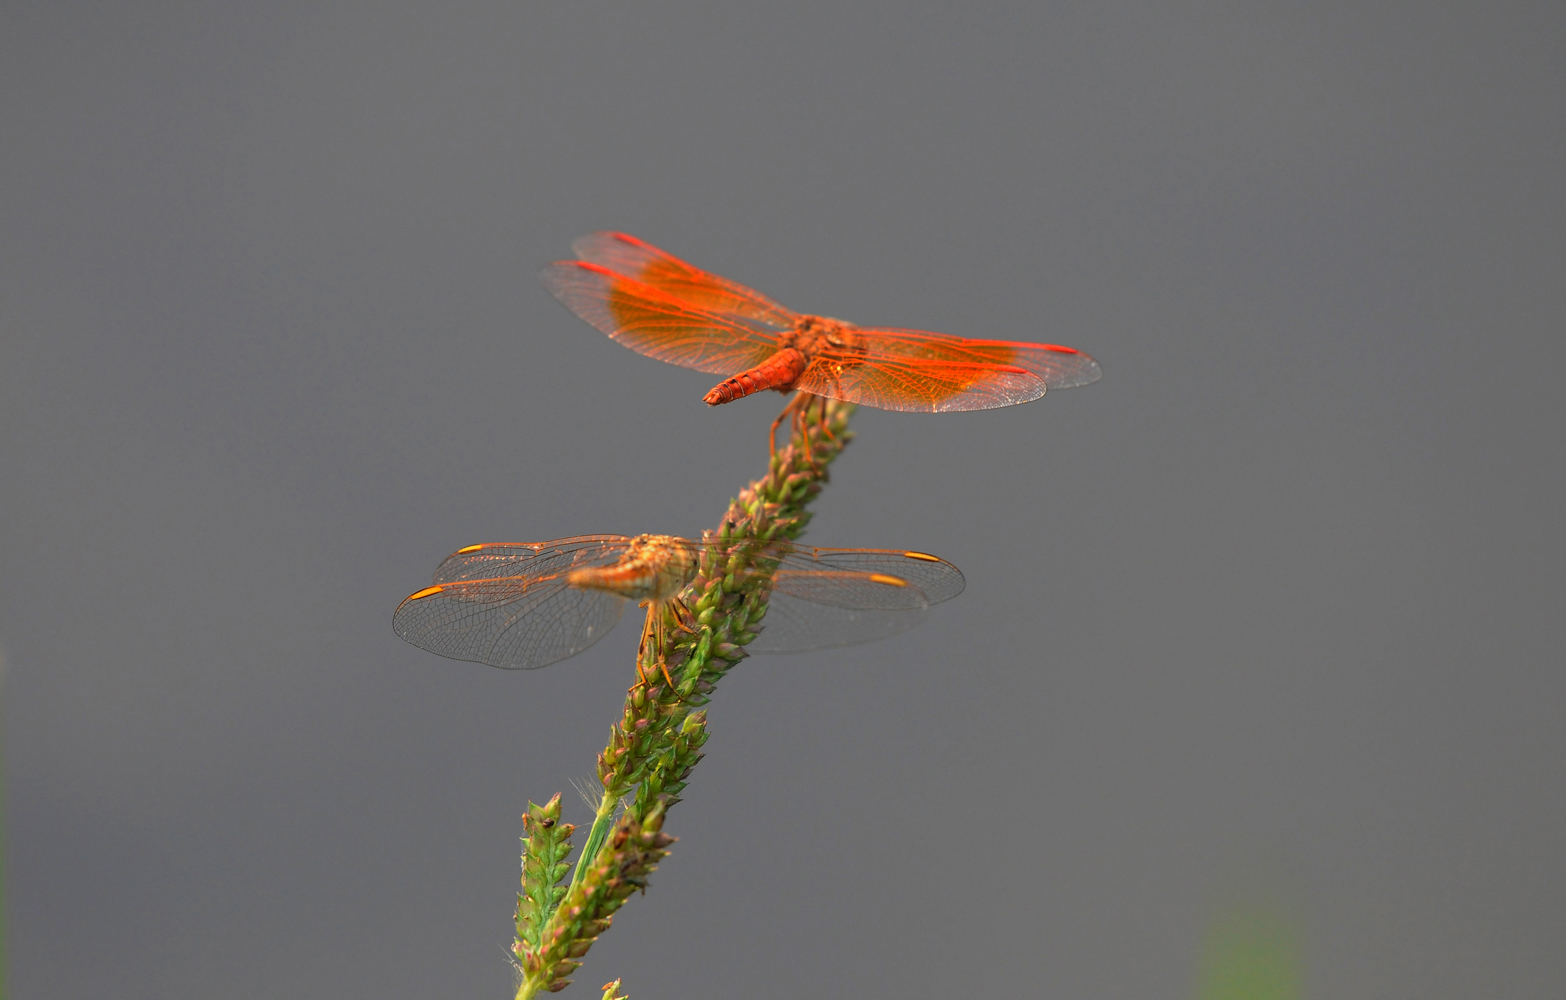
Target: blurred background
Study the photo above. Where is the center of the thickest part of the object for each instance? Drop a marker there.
(1274, 609)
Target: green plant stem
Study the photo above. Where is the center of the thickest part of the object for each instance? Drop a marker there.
(658, 739)
(595, 836)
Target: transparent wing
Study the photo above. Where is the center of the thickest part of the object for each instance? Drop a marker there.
(892, 579)
(529, 561)
(838, 597)
(1059, 367)
(508, 605)
(627, 255)
(652, 322)
(794, 626)
(919, 384)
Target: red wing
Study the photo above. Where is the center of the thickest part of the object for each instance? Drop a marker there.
(1059, 367)
(644, 262)
(509, 606)
(919, 384)
(652, 322)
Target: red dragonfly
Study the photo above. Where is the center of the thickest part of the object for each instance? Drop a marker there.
(660, 306)
(522, 606)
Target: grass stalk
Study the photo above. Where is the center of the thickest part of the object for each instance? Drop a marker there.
(658, 739)
(596, 835)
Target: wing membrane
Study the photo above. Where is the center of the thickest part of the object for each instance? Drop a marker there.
(508, 605)
(1059, 367)
(795, 626)
(839, 597)
(652, 322)
(919, 384)
(848, 578)
(641, 261)
(529, 561)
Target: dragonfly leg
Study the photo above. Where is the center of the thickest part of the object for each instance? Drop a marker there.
(663, 660)
(683, 616)
(791, 409)
(802, 424)
(641, 650)
(772, 433)
(825, 429)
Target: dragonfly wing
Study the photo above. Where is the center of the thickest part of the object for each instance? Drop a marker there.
(508, 627)
(868, 578)
(838, 597)
(627, 255)
(795, 626)
(919, 384)
(650, 321)
(530, 560)
(508, 605)
(1059, 367)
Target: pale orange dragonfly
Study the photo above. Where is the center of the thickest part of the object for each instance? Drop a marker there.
(660, 306)
(527, 605)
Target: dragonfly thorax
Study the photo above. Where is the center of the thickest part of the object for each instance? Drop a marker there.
(653, 568)
(813, 334)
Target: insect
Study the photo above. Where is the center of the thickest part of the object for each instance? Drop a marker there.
(522, 606)
(660, 306)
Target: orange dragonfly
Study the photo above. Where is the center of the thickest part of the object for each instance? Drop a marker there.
(660, 306)
(523, 606)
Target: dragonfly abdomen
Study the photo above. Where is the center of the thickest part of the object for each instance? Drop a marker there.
(636, 580)
(780, 371)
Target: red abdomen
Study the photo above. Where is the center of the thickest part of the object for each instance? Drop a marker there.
(780, 371)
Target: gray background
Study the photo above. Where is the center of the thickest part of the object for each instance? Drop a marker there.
(1277, 603)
